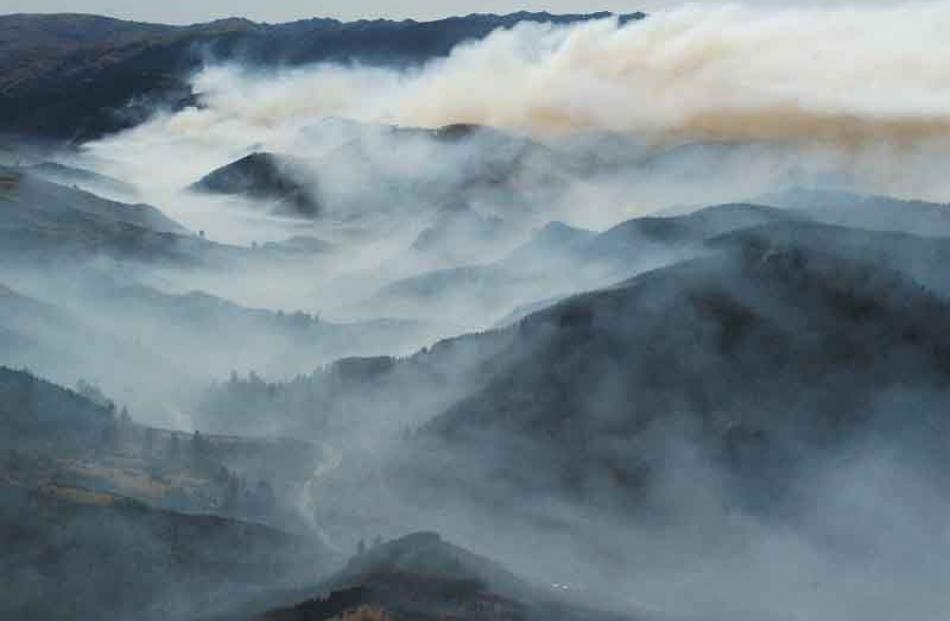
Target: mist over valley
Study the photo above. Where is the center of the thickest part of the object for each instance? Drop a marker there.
(525, 317)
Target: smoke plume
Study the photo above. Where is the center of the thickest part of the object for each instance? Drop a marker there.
(727, 72)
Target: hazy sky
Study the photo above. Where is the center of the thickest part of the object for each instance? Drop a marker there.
(188, 11)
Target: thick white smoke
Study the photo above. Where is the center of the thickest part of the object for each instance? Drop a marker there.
(698, 71)
(860, 92)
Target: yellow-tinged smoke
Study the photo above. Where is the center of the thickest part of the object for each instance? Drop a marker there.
(856, 96)
(843, 74)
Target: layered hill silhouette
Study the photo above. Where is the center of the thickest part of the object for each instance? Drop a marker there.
(778, 342)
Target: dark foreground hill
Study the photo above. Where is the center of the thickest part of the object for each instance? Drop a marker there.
(424, 578)
(765, 353)
(777, 347)
(127, 68)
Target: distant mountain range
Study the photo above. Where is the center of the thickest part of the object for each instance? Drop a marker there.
(124, 69)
